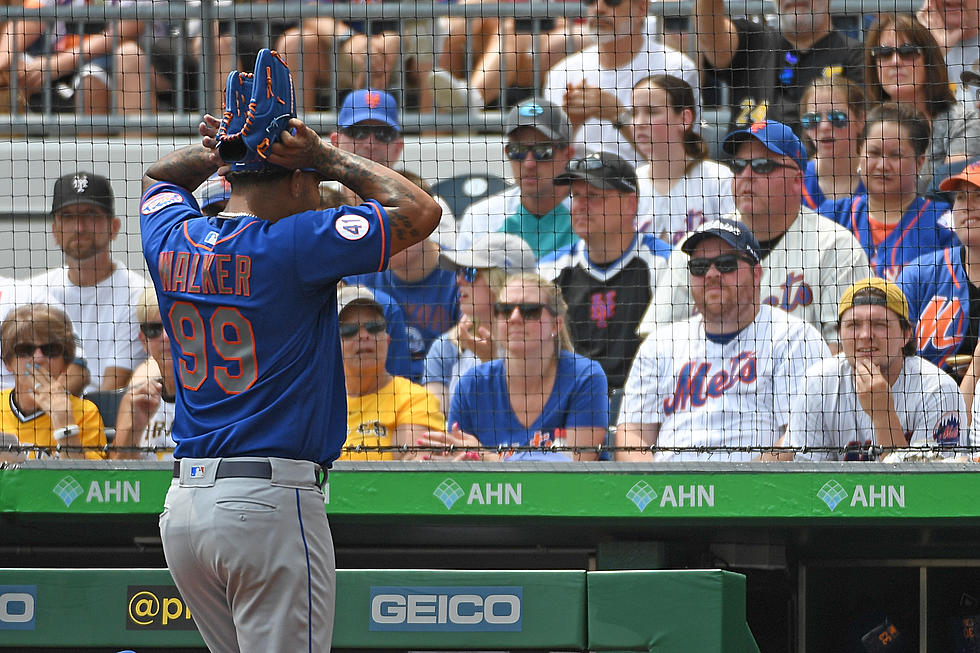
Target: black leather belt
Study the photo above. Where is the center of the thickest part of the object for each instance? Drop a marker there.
(248, 469)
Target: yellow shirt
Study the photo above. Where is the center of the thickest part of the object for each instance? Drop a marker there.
(373, 417)
(35, 429)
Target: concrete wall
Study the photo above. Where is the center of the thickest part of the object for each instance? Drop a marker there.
(28, 170)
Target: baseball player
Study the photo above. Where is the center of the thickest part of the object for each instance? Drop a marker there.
(807, 259)
(248, 300)
(876, 393)
(716, 386)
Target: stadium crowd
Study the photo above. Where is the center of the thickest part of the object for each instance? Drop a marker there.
(809, 291)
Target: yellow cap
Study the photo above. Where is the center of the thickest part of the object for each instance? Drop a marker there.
(894, 297)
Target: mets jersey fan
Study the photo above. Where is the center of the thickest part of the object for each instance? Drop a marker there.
(712, 392)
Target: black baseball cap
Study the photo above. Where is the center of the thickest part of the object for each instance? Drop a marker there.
(732, 232)
(602, 170)
(547, 118)
(83, 188)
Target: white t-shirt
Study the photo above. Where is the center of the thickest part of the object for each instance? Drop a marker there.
(702, 195)
(707, 394)
(488, 215)
(827, 413)
(654, 58)
(104, 316)
(14, 293)
(158, 433)
(805, 274)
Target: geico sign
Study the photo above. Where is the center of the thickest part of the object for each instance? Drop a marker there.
(18, 607)
(446, 608)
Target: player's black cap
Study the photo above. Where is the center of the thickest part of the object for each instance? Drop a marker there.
(83, 188)
(547, 118)
(602, 170)
(732, 232)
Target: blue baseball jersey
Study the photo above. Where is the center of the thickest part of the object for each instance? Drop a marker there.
(938, 292)
(251, 310)
(430, 305)
(916, 234)
(813, 195)
(481, 405)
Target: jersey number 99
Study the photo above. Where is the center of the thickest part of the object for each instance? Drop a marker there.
(230, 335)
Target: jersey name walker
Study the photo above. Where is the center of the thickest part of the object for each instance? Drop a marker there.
(251, 310)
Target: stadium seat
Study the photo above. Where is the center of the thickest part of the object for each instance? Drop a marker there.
(461, 191)
(107, 401)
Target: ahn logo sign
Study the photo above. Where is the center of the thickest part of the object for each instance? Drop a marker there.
(447, 609)
(18, 607)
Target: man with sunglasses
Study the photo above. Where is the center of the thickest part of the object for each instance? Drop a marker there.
(609, 276)
(97, 291)
(146, 410)
(535, 208)
(595, 85)
(716, 386)
(382, 410)
(807, 260)
(767, 69)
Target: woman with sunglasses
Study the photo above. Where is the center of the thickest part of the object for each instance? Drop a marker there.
(536, 394)
(832, 115)
(904, 64)
(38, 344)
(481, 273)
(383, 411)
(893, 223)
(680, 188)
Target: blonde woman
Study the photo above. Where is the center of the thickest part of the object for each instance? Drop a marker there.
(537, 393)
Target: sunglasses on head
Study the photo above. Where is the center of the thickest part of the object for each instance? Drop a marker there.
(469, 274)
(151, 329)
(837, 119)
(905, 51)
(725, 264)
(759, 166)
(582, 164)
(381, 133)
(527, 311)
(351, 329)
(540, 151)
(49, 349)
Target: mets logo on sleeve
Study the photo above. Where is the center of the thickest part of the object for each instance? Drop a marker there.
(352, 227)
(157, 202)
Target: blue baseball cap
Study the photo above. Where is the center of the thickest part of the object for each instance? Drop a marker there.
(775, 136)
(368, 104)
(733, 232)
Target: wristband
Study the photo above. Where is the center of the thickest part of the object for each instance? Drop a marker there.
(65, 432)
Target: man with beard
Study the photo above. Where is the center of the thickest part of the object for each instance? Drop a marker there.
(98, 293)
(768, 69)
(594, 86)
(716, 386)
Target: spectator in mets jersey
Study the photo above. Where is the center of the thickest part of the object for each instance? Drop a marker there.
(716, 386)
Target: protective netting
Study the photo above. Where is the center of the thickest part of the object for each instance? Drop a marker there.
(659, 222)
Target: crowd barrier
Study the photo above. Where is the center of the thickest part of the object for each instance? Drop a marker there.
(657, 611)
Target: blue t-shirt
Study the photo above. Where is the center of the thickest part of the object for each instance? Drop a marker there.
(446, 363)
(482, 407)
(916, 234)
(251, 310)
(430, 305)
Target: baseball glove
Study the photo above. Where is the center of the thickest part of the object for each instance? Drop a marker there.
(258, 106)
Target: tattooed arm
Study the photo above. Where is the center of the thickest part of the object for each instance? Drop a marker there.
(189, 166)
(412, 213)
